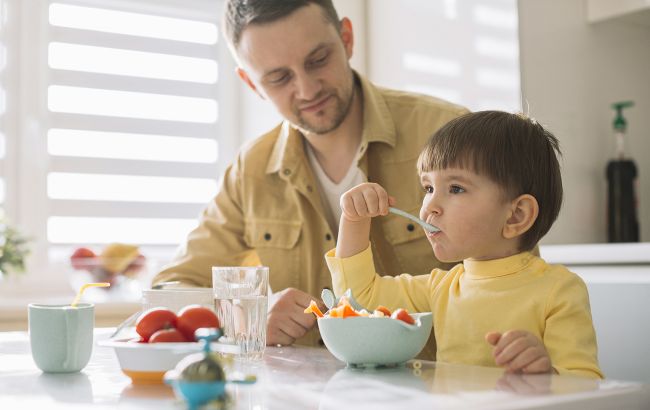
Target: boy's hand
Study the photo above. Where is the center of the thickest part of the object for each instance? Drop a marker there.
(365, 201)
(519, 352)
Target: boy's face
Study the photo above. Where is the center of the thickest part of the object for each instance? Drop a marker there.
(470, 210)
(301, 64)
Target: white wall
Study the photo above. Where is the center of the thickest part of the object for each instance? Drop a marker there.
(571, 73)
(462, 51)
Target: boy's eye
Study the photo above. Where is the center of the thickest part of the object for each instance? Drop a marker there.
(455, 189)
(428, 189)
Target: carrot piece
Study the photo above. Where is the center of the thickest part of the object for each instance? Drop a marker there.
(348, 311)
(313, 308)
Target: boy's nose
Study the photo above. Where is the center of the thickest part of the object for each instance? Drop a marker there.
(429, 207)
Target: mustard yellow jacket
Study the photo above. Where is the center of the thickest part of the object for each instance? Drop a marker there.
(268, 211)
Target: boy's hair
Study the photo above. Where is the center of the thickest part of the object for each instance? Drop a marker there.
(514, 151)
(239, 14)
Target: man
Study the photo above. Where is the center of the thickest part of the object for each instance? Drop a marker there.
(278, 203)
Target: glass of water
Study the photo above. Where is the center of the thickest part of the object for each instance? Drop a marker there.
(241, 302)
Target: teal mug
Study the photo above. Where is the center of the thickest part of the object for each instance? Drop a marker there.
(61, 336)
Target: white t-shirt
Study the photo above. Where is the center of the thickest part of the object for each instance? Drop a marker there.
(331, 192)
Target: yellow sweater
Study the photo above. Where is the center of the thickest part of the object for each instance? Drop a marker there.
(473, 298)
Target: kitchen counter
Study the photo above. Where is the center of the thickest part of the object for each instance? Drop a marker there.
(310, 378)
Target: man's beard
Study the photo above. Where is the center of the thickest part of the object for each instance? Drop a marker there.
(342, 107)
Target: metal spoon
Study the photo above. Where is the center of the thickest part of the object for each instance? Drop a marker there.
(331, 301)
(427, 227)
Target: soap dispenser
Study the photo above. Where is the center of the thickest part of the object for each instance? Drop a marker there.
(622, 223)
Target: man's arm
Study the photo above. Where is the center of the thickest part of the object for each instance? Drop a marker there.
(218, 240)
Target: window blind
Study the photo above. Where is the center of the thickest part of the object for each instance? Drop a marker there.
(132, 126)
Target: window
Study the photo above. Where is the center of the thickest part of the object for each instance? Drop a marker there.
(116, 122)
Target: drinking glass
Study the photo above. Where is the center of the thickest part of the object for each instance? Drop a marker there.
(241, 303)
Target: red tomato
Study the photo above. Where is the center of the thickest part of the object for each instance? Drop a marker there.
(194, 317)
(384, 310)
(153, 320)
(80, 258)
(403, 315)
(167, 336)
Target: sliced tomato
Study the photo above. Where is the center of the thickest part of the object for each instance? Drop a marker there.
(403, 315)
(384, 310)
(168, 336)
(153, 320)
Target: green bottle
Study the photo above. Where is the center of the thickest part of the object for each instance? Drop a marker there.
(622, 222)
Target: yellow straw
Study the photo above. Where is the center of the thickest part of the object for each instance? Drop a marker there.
(86, 286)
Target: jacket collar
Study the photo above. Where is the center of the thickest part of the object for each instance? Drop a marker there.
(378, 126)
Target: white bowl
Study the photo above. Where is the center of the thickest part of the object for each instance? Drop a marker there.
(373, 341)
(146, 363)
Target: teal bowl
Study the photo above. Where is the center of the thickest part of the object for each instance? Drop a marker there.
(197, 394)
(371, 341)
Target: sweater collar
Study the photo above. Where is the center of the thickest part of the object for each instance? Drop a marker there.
(498, 267)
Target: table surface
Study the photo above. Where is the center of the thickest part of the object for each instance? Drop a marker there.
(310, 378)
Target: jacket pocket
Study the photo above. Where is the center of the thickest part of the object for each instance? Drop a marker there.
(272, 233)
(276, 243)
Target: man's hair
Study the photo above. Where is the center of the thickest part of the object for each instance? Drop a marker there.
(239, 14)
(512, 150)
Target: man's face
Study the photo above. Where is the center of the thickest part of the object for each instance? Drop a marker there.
(301, 63)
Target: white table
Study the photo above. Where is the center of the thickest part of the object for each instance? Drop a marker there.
(309, 378)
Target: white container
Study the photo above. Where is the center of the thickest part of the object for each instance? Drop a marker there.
(177, 298)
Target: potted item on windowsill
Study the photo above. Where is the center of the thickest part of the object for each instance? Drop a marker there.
(13, 249)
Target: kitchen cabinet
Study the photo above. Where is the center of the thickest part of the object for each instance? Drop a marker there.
(631, 11)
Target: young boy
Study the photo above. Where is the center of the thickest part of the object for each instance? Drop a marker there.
(492, 185)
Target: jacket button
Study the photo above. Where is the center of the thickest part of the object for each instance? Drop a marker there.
(287, 171)
(328, 237)
(410, 227)
(309, 188)
(267, 236)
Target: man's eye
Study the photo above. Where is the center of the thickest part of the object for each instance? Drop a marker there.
(428, 189)
(319, 61)
(279, 79)
(455, 189)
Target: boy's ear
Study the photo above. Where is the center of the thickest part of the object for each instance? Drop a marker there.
(523, 214)
(243, 75)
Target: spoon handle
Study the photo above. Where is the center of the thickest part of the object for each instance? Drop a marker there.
(426, 226)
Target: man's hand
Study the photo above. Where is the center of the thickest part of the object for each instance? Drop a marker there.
(364, 201)
(519, 352)
(287, 320)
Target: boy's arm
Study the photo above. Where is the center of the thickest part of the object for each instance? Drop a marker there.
(353, 237)
(569, 337)
(357, 273)
(358, 206)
